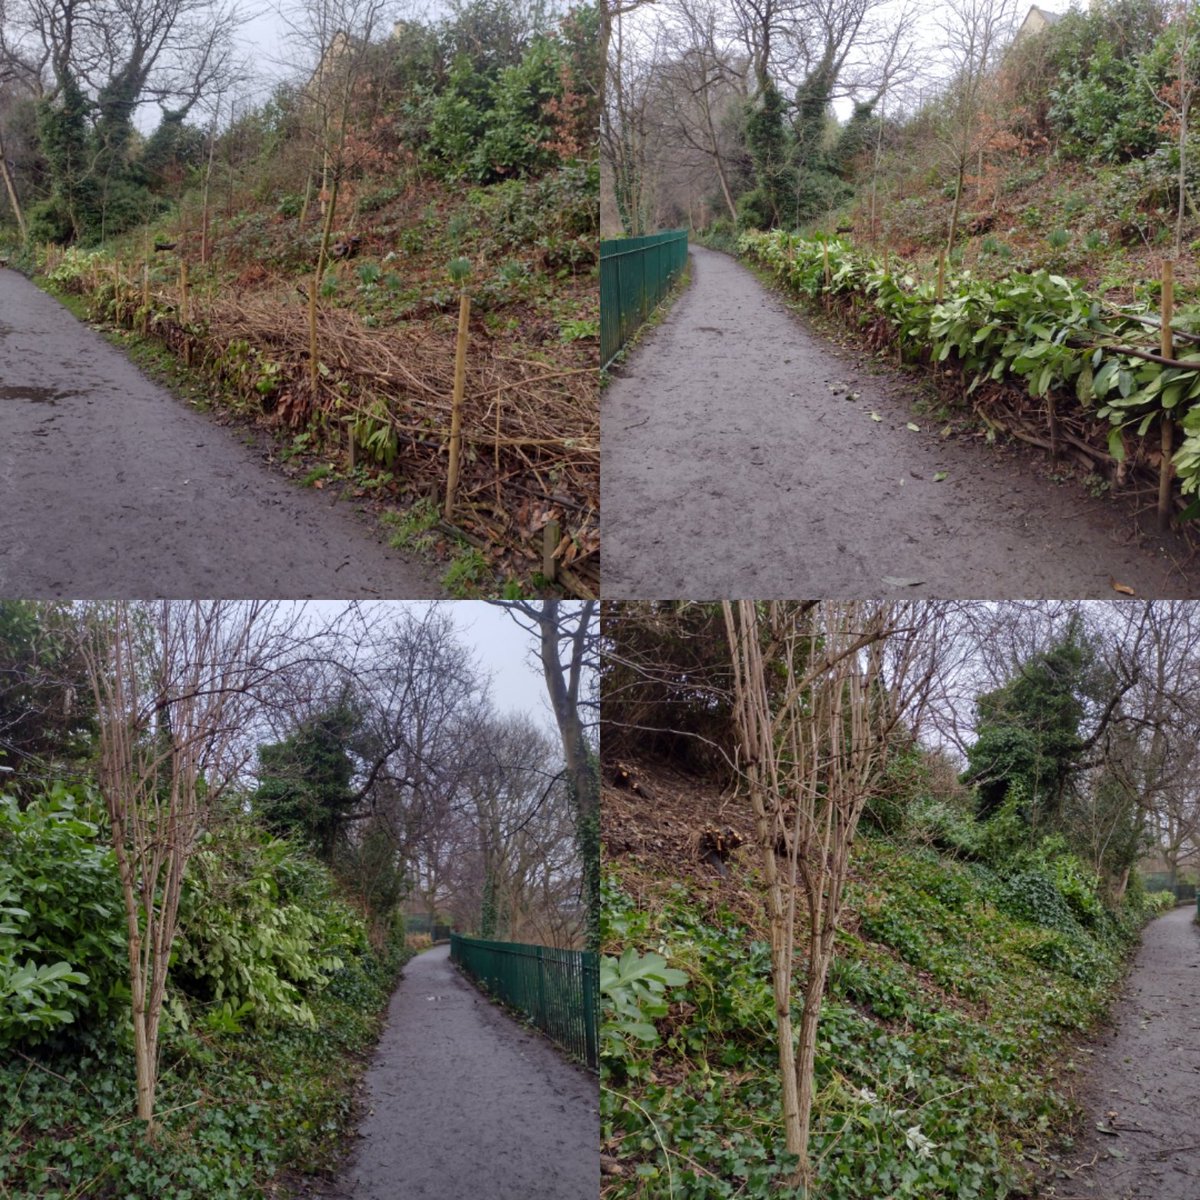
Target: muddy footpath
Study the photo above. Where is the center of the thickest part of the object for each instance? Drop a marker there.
(464, 1103)
(111, 486)
(745, 456)
(1140, 1081)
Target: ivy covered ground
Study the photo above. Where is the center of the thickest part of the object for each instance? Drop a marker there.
(944, 1054)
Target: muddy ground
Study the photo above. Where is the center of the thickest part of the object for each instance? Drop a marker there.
(742, 458)
(466, 1103)
(111, 486)
(1139, 1084)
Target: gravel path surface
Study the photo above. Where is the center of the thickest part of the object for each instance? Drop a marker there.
(466, 1104)
(740, 459)
(110, 486)
(1143, 1081)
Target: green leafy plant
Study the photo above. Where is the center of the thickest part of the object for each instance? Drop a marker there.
(634, 987)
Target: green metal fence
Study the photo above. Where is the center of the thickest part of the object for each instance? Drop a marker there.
(419, 923)
(559, 990)
(635, 274)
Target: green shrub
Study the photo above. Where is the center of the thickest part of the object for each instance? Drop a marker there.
(62, 917)
(260, 931)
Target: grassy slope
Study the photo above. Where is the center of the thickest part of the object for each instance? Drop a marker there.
(1118, 225)
(942, 1022)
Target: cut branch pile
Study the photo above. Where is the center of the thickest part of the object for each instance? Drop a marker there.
(530, 427)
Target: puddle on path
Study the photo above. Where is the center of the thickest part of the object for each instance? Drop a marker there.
(35, 395)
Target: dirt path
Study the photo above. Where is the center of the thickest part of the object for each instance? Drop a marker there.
(110, 486)
(465, 1103)
(741, 458)
(1143, 1081)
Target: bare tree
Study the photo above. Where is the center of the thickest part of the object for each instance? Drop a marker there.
(974, 32)
(172, 684)
(567, 636)
(820, 689)
(339, 35)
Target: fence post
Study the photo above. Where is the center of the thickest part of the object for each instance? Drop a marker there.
(460, 381)
(1167, 425)
(590, 973)
(550, 537)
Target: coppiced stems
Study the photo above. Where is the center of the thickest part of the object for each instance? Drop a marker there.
(170, 681)
(817, 694)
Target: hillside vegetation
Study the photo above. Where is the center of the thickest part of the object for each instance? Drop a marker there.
(942, 1060)
(850, 956)
(328, 236)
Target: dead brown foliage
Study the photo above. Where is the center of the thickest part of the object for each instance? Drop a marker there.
(531, 428)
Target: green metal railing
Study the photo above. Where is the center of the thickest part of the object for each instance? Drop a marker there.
(559, 990)
(635, 274)
(419, 923)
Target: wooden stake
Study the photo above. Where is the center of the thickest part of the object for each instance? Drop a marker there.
(183, 291)
(1054, 447)
(1168, 307)
(353, 448)
(887, 266)
(1165, 470)
(941, 275)
(460, 379)
(550, 537)
(145, 297)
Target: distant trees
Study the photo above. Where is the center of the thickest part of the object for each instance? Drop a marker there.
(975, 31)
(744, 91)
(92, 66)
(567, 638)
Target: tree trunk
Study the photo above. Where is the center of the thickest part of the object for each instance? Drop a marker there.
(583, 769)
(805, 1060)
(11, 190)
(322, 260)
(729, 204)
(958, 188)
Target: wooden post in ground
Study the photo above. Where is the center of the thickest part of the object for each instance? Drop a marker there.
(941, 275)
(550, 536)
(825, 257)
(183, 291)
(887, 263)
(1167, 424)
(460, 379)
(145, 298)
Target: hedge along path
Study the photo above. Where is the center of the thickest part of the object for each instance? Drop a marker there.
(464, 1101)
(745, 456)
(530, 431)
(1042, 329)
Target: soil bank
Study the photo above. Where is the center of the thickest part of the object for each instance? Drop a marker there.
(110, 486)
(1140, 1088)
(464, 1102)
(743, 456)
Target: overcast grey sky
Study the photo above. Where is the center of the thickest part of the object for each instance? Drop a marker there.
(503, 650)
